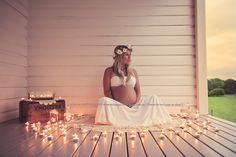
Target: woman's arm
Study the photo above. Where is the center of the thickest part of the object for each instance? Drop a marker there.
(106, 83)
(137, 87)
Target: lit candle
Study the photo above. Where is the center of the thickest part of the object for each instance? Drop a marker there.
(38, 124)
(48, 123)
(64, 133)
(32, 125)
(216, 129)
(84, 131)
(196, 135)
(145, 130)
(162, 137)
(27, 123)
(177, 132)
(204, 126)
(76, 139)
(119, 133)
(142, 134)
(104, 133)
(181, 126)
(50, 137)
(35, 129)
(199, 131)
(208, 121)
(189, 123)
(95, 137)
(116, 136)
(170, 129)
(185, 129)
(132, 136)
(42, 134)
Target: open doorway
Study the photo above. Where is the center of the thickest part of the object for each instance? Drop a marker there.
(221, 58)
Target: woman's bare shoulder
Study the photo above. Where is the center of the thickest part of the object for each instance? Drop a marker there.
(133, 70)
(109, 70)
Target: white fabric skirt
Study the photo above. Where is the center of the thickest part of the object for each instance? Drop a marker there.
(147, 112)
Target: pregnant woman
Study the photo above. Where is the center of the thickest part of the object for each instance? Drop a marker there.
(122, 104)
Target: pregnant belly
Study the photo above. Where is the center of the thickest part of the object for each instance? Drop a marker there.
(125, 95)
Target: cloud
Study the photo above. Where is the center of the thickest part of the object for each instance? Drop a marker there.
(221, 38)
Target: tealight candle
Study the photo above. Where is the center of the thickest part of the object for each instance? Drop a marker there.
(27, 123)
(50, 137)
(170, 129)
(181, 126)
(64, 133)
(196, 135)
(162, 137)
(145, 130)
(120, 133)
(199, 131)
(35, 129)
(42, 134)
(216, 129)
(132, 136)
(95, 137)
(177, 132)
(116, 136)
(84, 131)
(185, 129)
(142, 134)
(104, 133)
(76, 139)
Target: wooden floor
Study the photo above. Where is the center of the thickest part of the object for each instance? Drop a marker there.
(17, 141)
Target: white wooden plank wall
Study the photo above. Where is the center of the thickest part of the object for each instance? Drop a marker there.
(13, 56)
(71, 43)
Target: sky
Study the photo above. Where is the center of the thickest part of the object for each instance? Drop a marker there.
(221, 38)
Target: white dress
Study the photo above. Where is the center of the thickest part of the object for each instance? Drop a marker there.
(148, 111)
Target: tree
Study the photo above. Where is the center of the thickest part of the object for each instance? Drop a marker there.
(215, 83)
(230, 86)
(217, 92)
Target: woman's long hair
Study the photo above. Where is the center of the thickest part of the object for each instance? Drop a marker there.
(117, 65)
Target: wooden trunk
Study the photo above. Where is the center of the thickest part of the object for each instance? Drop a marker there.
(32, 111)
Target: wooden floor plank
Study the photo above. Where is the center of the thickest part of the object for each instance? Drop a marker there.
(118, 147)
(233, 124)
(220, 134)
(70, 147)
(212, 144)
(135, 147)
(87, 147)
(150, 145)
(40, 144)
(168, 148)
(195, 143)
(13, 137)
(103, 146)
(217, 139)
(58, 144)
(221, 127)
(181, 144)
(223, 124)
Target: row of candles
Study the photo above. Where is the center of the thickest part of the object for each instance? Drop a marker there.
(50, 127)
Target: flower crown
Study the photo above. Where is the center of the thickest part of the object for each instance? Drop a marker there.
(123, 50)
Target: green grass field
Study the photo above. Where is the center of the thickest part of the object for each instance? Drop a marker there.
(223, 107)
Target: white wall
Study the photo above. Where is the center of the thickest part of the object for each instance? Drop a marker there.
(13, 56)
(71, 43)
